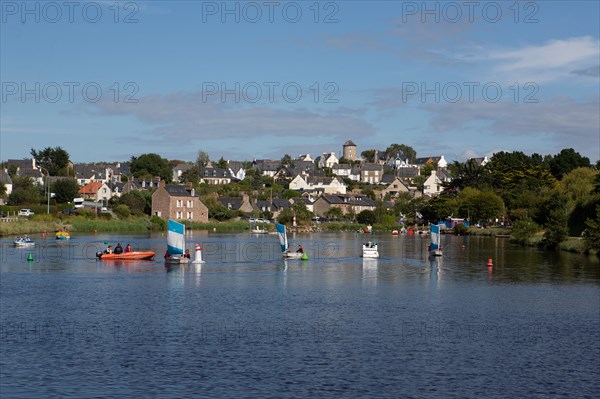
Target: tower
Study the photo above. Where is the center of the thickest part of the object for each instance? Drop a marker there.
(350, 150)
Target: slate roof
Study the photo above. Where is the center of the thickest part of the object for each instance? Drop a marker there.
(4, 177)
(349, 143)
(230, 202)
(177, 190)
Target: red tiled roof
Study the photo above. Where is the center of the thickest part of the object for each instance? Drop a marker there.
(90, 188)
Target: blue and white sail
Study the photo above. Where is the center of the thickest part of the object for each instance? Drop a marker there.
(282, 237)
(435, 248)
(175, 238)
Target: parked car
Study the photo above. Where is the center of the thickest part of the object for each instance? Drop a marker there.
(25, 212)
(104, 209)
(68, 211)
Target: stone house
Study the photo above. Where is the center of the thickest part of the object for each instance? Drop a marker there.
(178, 202)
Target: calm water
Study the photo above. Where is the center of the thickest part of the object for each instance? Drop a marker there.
(248, 324)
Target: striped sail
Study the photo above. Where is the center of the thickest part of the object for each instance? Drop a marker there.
(282, 236)
(435, 236)
(175, 238)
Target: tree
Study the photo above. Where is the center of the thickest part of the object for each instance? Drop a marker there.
(222, 163)
(403, 151)
(287, 161)
(24, 192)
(54, 160)
(556, 229)
(2, 190)
(565, 161)
(334, 213)
(65, 190)
(366, 217)
(592, 233)
(192, 175)
(368, 155)
(122, 211)
(202, 159)
(139, 202)
(151, 165)
(468, 174)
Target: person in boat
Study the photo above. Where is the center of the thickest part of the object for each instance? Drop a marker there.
(118, 249)
(109, 250)
(26, 238)
(187, 254)
(300, 249)
(128, 248)
(167, 254)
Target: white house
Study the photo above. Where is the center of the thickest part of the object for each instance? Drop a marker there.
(433, 185)
(328, 185)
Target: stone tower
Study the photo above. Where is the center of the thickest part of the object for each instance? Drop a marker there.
(350, 150)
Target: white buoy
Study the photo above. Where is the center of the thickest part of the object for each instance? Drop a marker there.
(198, 258)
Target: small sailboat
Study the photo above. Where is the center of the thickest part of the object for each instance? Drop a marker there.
(257, 230)
(369, 250)
(435, 248)
(175, 243)
(63, 235)
(283, 241)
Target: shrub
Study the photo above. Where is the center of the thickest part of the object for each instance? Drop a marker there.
(122, 211)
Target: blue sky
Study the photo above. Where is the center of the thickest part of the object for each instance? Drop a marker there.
(457, 79)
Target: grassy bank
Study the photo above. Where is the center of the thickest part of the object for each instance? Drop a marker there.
(81, 224)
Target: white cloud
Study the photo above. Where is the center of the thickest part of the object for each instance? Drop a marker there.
(550, 61)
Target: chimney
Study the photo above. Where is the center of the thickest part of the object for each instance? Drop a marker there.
(162, 183)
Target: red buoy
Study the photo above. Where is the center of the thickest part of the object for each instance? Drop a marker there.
(490, 263)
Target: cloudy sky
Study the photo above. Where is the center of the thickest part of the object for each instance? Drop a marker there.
(247, 80)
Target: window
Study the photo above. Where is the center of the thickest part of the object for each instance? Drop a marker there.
(179, 203)
(157, 213)
(179, 215)
(190, 215)
(190, 204)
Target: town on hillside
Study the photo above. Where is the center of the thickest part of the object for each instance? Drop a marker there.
(390, 186)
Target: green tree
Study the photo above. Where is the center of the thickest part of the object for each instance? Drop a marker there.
(222, 163)
(287, 160)
(468, 174)
(138, 202)
(24, 192)
(334, 213)
(366, 217)
(368, 155)
(54, 160)
(565, 161)
(151, 165)
(192, 175)
(556, 229)
(3, 190)
(524, 229)
(592, 233)
(202, 159)
(404, 151)
(65, 190)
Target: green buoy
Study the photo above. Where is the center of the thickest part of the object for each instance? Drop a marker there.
(304, 256)
(30, 257)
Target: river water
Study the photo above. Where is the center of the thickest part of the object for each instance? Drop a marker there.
(247, 324)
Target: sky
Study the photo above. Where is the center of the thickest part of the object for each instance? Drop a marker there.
(108, 80)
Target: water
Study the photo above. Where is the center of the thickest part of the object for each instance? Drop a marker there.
(248, 324)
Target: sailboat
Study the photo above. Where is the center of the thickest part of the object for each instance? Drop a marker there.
(257, 230)
(175, 243)
(283, 241)
(435, 248)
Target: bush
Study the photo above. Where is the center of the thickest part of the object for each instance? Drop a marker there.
(460, 230)
(156, 223)
(524, 229)
(122, 211)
